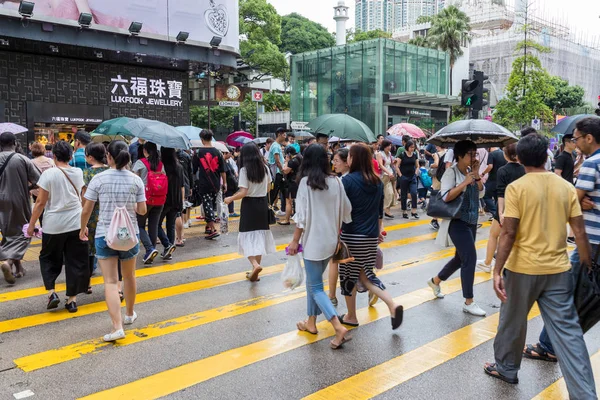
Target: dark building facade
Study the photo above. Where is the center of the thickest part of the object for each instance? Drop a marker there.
(54, 96)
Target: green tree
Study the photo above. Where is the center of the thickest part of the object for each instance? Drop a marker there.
(359, 36)
(421, 41)
(260, 37)
(565, 96)
(299, 35)
(450, 29)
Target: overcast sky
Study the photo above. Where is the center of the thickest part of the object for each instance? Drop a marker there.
(581, 15)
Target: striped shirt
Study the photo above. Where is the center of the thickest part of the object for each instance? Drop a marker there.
(589, 182)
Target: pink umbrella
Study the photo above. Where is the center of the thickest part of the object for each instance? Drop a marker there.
(405, 128)
(13, 128)
(230, 139)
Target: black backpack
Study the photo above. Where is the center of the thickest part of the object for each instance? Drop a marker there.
(441, 168)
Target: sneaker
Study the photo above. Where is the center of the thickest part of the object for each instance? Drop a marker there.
(434, 225)
(111, 337)
(571, 240)
(280, 214)
(187, 225)
(150, 256)
(415, 215)
(53, 301)
(405, 216)
(71, 307)
(234, 215)
(372, 299)
(474, 309)
(437, 290)
(213, 235)
(390, 216)
(168, 253)
(128, 320)
(483, 266)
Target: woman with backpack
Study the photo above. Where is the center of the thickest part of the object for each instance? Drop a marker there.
(407, 179)
(174, 202)
(152, 172)
(121, 195)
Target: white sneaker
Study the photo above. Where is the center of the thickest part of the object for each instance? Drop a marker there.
(111, 337)
(483, 266)
(437, 290)
(474, 309)
(129, 320)
(280, 213)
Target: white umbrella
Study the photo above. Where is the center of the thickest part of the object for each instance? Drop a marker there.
(10, 127)
(158, 133)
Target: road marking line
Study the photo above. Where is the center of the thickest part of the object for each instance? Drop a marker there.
(23, 395)
(56, 356)
(383, 377)
(93, 308)
(558, 390)
(195, 372)
(142, 272)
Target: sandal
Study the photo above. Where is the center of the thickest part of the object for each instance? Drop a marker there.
(302, 327)
(338, 346)
(253, 276)
(7, 272)
(397, 318)
(535, 352)
(490, 369)
(341, 318)
(121, 296)
(89, 290)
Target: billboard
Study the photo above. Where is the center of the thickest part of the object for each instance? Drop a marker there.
(203, 19)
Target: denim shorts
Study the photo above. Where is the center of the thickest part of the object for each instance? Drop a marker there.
(103, 251)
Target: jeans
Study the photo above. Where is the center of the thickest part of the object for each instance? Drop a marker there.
(490, 198)
(170, 214)
(148, 237)
(408, 185)
(465, 258)
(317, 301)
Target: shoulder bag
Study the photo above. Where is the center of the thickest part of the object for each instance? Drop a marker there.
(71, 182)
(342, 253)
(438, 208)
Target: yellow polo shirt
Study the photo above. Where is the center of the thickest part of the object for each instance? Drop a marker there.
(543, 202)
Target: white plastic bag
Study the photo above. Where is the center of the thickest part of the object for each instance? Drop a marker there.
(293, 273)
(224, 219)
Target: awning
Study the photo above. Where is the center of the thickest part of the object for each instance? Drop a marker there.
(426, 98)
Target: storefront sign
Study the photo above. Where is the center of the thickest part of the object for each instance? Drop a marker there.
(76, 120)
(140, 90)
(229, 104)
(419, 113)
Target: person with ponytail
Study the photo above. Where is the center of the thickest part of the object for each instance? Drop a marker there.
(149, 163)
(174, 203)
(115, 187)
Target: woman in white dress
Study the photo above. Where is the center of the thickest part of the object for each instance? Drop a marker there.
(255, 238)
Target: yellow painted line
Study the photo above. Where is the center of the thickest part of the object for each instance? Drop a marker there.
(558, 390)
(383, 377)
(40, 290)
(94, 346)
(193, 373)
(93, 308)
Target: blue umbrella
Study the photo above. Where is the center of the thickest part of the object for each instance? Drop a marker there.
(192, 132)
(242, 140)
(567, 124)
(158, 132)
(396, 140)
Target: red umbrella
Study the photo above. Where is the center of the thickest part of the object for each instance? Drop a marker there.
(230, 139)
(405, 128)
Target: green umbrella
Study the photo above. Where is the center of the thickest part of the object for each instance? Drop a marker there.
(343, 126)
(114, 127)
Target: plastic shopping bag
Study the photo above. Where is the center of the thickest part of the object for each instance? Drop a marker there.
(379, 260)
(224, 216)
(293, 273)
(37, 232)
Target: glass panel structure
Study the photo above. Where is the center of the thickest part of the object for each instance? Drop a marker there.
(354, 79)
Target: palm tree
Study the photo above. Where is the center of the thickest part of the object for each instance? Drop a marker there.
(449, 30)
(421, 41)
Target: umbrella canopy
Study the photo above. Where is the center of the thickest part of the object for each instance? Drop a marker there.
(192, 132)
(13, 128)
(396, 140)
(343, 126)
(230, 139)
(99, 137)
(222, 147)
(303, 134)
(484, 133)
(158, 132)
(240, 140)
(260, 140)
(406, 129)
(567, 125)
(114, 126)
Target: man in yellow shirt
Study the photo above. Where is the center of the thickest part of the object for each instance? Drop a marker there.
(532, 265)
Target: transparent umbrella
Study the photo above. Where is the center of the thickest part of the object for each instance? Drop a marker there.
(158, 132)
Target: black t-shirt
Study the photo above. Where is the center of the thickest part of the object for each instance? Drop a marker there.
(174, 197)
(565, 163)
(497, 160)
(294, 165)
(408, 164)
(208, 167)
(507, 175)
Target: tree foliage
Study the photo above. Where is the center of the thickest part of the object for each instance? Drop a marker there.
(421, 41)
(299, 35)
(565, 96)
(359, 36)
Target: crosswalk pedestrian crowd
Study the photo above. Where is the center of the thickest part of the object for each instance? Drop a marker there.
(98, 208)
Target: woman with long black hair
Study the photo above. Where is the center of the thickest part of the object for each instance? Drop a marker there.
(321, 207)
(174, 202)
(255, 238)
(407, 180)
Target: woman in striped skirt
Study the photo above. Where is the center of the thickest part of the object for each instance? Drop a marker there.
(363, 234)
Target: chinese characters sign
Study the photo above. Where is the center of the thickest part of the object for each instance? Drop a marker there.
(140, 90)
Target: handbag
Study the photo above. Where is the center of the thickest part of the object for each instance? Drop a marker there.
(342, 253)
(587, 292)
(71, 182)
(438, 208)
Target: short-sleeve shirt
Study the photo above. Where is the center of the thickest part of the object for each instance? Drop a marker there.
(62, 213)
(588, 180)
(254, 189)
(408, 164)
(209, 164)
(496, 160)
(115, 188)
(564, 162)
(543, 203)
(432, 149)
(294, 165)
(275, 149)
(507, 175)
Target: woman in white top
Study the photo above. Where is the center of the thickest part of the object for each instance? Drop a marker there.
(116, 187)
(386, 163)
(321, 207)
(255, 238)
(59, 198)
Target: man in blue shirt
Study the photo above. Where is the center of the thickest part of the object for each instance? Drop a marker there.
(82, 139)
(292, 139)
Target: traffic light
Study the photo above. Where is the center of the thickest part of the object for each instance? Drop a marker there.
(468, 95)
(479, 77)
(236, 123)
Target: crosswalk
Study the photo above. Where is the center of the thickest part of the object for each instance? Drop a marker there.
(205, 332)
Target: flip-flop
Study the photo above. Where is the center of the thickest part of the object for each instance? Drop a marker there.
(253, 276)
(397, 318)
(283, 223)
(341, 318)
(541, 354)
(491, 370)
(302, 327)
(334, 346)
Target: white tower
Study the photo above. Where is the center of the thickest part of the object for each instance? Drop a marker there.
(340, 16)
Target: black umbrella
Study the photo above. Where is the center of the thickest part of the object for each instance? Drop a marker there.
(483, 132)
(567, 124)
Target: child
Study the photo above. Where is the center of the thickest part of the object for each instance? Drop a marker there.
(423, 183)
